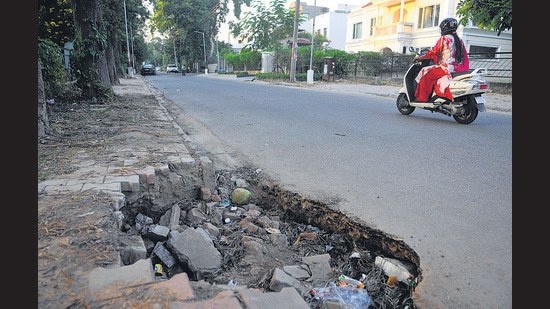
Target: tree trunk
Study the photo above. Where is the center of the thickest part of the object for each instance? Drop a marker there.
(111, 63)
(88, 23)
(43, 122)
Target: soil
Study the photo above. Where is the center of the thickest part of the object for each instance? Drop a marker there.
(77, 232)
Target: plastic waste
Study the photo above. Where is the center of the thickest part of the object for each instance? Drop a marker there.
(225, 202)
(345, 291)
(393, 267)
(158, 270)
(344, 280)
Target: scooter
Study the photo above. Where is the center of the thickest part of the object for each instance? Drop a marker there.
(467, 89)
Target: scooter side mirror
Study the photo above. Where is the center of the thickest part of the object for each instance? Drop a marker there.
(411, 49)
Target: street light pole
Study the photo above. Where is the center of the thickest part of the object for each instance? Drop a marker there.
(310, 71)
(133, 56)
(203, 50)
(294, 41)
(130, 70)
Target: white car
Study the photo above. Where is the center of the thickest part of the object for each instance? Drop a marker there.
(172, 68)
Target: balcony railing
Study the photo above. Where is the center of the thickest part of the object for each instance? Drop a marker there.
(393, 28)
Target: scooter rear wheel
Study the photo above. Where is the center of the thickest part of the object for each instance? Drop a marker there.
(469, 111)
(403, 105)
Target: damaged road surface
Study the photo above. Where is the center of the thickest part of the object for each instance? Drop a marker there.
(216, 234)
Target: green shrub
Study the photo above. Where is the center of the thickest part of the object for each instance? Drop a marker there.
(302, 77)
(54, 73)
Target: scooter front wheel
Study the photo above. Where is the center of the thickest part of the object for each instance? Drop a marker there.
(403, 105)
(468, 112)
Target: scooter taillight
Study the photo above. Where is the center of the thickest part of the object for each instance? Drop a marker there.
(484, 85)
(479, 85)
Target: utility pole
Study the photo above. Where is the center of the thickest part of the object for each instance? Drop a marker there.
(218, 55)
(310, 71)
(204, 51)
(175, 55)
(294, 40)
(130, 70)
(133, 55)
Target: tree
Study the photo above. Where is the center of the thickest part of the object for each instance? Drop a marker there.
(179, 20)
(493, 15)
(55, 21)
(90, 45)
(43, 122)
(266, 28)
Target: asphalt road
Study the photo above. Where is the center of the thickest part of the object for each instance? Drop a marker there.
(444, 187)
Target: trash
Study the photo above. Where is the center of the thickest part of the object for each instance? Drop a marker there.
(393, 267)
(272, 230)
(225, 202)
(344, 280)
(240, 196)
(308, 235)
(232, 283)
(350, 296)
(392, 281)
(158, 270)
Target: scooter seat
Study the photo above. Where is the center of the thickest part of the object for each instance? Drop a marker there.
(455, 74)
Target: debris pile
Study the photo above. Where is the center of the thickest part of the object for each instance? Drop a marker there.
(224, 238)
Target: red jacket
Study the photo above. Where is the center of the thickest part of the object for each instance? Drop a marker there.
(443, 53)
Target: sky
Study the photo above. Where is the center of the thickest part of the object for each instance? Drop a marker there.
(331, 4)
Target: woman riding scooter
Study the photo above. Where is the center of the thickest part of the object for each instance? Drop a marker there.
(449, 55)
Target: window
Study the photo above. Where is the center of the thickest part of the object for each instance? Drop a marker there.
(357, 31)
(325, 31)
(482, 52)
(428, 17)
(372, 25)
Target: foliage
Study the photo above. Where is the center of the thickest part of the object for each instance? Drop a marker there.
(55, 21)
(342, 59)
(86, 51)
(359, 64)
(265, 28)
(282, 76)
(54, 73)
(184, 23)
(247, 60)
(493, 15)
(251, 59)
(232, 59)
(224, 52)
(369, 62)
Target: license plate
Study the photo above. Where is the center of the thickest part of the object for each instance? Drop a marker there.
(480, 105)
(480, 100)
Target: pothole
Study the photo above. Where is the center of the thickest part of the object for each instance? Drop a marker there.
(271, 229)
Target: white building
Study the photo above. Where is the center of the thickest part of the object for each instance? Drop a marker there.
(397, 24)
(394, 25)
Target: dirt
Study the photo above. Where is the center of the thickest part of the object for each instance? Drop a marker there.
(77, 232)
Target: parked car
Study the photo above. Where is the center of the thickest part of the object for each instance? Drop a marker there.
(148, 69)
(172, 68)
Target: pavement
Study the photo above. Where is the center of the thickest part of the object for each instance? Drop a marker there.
(97, 175)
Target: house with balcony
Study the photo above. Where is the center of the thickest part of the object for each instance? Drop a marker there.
(396, 24)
